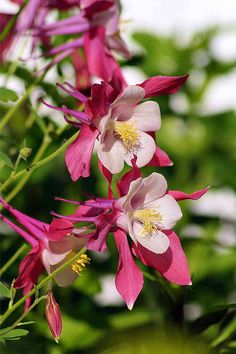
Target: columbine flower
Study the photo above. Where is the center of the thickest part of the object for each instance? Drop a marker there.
(97, 24)
(53, 315)
(123, 126)
(147, 211)
(52, 245)
(33, 15)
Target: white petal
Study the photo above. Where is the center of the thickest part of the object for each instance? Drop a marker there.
(157, 243)
(66, 277)
(122, 222)
(152, 188)
(109, 154)
(133, 188)
(169, 210)
(130, 97)
(144, 153)
(146, 116)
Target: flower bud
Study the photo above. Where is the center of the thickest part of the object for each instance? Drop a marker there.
(25, 152)
(53, 316)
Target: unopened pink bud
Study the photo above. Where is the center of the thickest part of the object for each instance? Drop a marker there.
(53, 316)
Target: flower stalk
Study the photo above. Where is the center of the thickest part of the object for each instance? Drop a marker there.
(41, 284)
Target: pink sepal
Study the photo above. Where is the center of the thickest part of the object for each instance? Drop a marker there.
(58, 229)
(129, 278)
(79, 153)
(172, 264)
(104, 224)
(178, 195)
(132, 175)
(162, 85)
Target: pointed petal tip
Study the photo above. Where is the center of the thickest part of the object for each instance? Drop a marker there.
(130, 306)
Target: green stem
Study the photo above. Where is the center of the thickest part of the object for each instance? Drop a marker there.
(41, 284)
(46, 141)
(35, 303)
(16, 106)
(13, 258)
(38, 164)
(11, 23)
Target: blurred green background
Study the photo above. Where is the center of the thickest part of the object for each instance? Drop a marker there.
(166, 319)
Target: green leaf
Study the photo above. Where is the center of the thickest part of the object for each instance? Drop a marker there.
(7, 95)
(4, 291)
(6, 160)
(15, 333)
(26, 323)
(226, 333)
(207, 320)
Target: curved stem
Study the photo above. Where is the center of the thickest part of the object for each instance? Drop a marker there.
(16, 106)
(41, 284)
(46, 141)
(35, 303)
(12, 259)
(12, 22)
(38, 164)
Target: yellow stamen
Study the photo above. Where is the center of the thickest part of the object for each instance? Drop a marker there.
(80, 264)
(129, 135)
(150, 218)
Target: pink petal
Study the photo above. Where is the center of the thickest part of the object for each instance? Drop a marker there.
(129, 278)
(131, 96)
(160, 158)
(132, 175)
(172, 264)
(32, 241)
(79, 153)
(108, 177)
(58, 229)
(153, 187)
(97, 58)
(162, 85)
(178, 195)
(104, 223)
(101, 97)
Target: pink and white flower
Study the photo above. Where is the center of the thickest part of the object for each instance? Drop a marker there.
(122, 124)
(147, 211)
(52, 245)
(96, 27)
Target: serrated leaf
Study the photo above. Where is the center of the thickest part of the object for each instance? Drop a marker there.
(15, 333)
(6, 160)
(4, 291)
(7, 95)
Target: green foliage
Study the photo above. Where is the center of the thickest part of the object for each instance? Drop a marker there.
(7, 95)
(203, 148)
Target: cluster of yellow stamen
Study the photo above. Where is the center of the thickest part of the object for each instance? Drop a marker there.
(150, 218)
(81, 263)
(129, 135)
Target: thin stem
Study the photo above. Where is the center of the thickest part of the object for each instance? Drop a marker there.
(41, 284)
(35, 303)
(15, 107)
(46, 141)
(13, 258)
(38, 164)
(12, 22)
